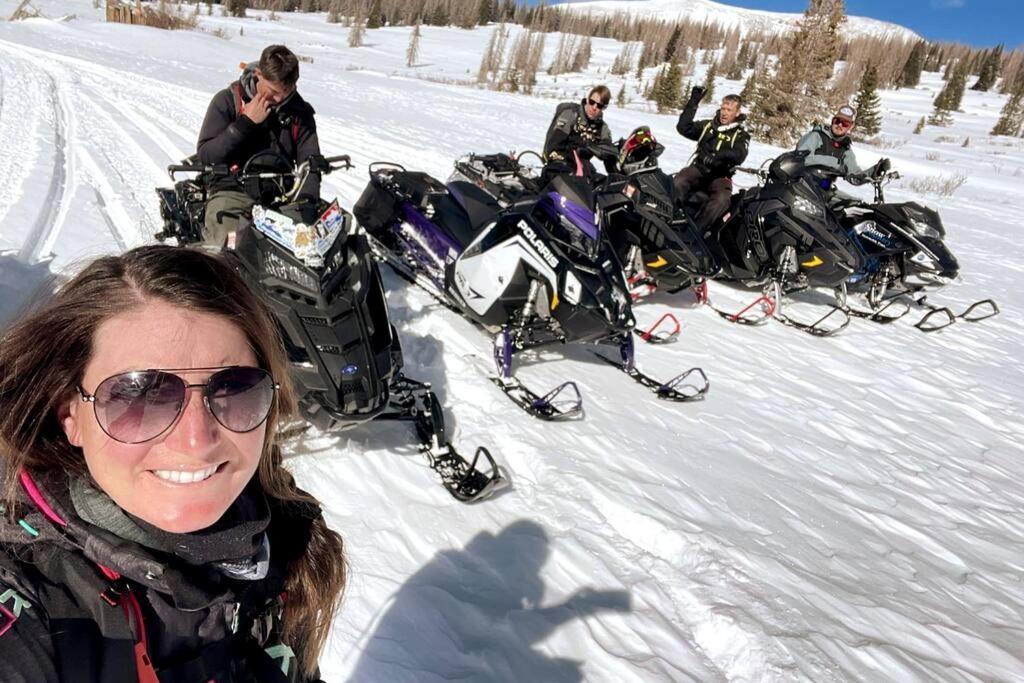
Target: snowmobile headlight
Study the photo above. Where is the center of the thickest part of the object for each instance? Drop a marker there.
(924, 229)
(807, 206)
(572, 288)
(924, 259)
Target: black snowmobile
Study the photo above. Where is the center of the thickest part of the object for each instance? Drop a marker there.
(324, 288)
(537, 272)
(906, 256)
(656, 242)
(782, 237)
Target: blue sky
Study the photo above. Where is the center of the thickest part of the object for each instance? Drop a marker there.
(982, 23)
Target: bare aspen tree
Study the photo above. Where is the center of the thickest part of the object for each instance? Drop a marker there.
(358, 29)
(413, 51)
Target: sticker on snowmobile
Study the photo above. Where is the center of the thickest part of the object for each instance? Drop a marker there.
(274, 225)
(537, 243)
(328, 228)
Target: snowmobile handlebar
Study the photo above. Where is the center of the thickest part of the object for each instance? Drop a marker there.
(315, 164)
(761, 173)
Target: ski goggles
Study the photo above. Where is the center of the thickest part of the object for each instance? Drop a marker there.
(140, 405)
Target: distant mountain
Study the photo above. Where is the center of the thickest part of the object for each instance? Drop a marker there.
(728, 16)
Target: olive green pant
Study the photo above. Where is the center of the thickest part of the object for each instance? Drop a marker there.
(225, 212)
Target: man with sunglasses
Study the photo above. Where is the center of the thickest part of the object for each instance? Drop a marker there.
(577, 134)
(260, 112)
(722, 145)
(832, 146)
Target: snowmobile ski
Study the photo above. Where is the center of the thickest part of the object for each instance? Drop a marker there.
(656, 335)
(465, 480)
(564, 402)
(690, 385)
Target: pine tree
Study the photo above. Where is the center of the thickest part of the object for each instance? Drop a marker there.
(709, 81)
(787, 103)
(750, 87)
(669, 92)
(672, 45)
(236, 8)
(487, 12)
(375, 17)
(869, 115)
(989, 70)
(948, 99)
(910, 77)
(1011, 118)
(958, 83)
(412, 52)
(620, 99)
(919, 127)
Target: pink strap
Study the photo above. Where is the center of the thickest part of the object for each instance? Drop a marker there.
(579, 164)
(37, 497)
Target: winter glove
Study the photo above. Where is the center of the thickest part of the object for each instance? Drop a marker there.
(882, 167)
(707, 160)
(697, 93)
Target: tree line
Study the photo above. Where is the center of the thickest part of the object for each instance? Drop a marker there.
(790, 79)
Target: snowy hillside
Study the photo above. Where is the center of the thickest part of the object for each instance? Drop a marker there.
(837, 509)
(727, 16)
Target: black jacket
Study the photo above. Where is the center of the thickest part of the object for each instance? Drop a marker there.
(71, 621)
(228, 137)
(720, 148)
(570, 130)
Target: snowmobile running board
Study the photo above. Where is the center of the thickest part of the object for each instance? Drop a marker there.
(413, 401)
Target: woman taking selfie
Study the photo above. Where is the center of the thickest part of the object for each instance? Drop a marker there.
(149, 531)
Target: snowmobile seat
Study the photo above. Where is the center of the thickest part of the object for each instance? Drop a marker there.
(450, 215)
(478, 204)
(420, 188)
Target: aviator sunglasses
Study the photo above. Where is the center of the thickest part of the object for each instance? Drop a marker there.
(140, 405)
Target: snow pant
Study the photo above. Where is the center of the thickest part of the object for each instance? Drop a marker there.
(225, 211)
(719, 189)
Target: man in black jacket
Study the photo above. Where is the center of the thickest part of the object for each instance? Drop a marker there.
(578, 132)
(722, 144)
(259, 112)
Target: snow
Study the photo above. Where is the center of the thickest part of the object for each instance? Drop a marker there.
(728, 16)
(837, 509)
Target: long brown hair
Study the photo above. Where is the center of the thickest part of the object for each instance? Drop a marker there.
(44, 355)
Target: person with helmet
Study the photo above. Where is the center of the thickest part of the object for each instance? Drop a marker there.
(832, 146)
(577, 133)
(722, 145)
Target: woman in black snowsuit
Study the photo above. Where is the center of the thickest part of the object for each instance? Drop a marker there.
(149, 531)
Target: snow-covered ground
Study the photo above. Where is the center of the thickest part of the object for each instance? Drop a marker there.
(837, 509)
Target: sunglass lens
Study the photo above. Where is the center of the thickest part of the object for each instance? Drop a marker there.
(137, 406)
(240, 398)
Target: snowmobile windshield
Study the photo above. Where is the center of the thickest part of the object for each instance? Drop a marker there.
(565, 208)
